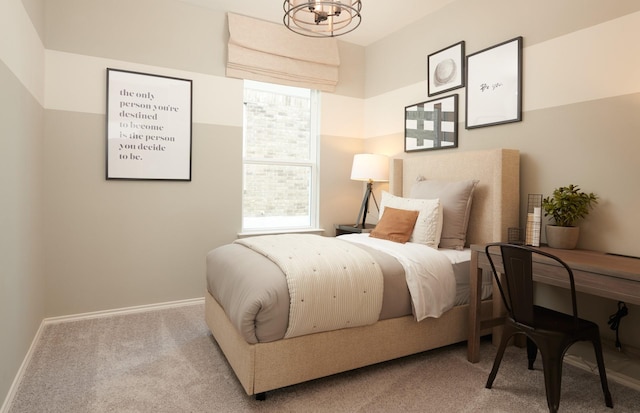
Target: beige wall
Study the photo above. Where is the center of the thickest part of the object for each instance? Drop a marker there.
(21, 205)
(581, 101)
(111, 244)
(93, 244)
(581, 94)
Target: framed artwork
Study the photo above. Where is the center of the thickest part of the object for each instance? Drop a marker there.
(431, 125)
(494, 85)
(445, 69)
(148, 126)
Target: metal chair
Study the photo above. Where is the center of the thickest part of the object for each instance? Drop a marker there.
(550, 331)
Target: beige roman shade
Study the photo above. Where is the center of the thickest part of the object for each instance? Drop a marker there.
(268, 52)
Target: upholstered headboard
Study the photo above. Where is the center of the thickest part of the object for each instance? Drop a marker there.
(496, 200)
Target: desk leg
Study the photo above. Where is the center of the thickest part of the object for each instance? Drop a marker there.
(475, 283)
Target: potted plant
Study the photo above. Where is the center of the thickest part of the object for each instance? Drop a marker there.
(566, 207)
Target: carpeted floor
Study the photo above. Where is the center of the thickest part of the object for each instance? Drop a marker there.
(166, 361)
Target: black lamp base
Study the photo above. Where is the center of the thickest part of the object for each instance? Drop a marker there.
(364, 208)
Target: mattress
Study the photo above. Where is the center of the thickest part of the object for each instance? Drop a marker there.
(253, 290)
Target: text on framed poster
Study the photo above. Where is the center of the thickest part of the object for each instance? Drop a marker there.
(148, 126)
(494, 85)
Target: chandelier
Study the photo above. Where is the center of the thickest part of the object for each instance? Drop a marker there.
(322, 18)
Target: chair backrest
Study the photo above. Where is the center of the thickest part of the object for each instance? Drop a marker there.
(518, 263)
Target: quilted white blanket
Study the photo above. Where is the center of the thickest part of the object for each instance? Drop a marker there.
(332, 283)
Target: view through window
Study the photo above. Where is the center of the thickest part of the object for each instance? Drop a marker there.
(279, 157)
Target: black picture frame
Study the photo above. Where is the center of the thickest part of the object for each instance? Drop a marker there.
(494, 85)
(445, 69)
(431, 125)
(149, 126)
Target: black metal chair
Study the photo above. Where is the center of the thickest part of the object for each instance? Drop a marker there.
(550, 331)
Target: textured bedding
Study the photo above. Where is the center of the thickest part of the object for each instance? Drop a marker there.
(253, 290)
(254, 293)
(332, 284)
(428, 273)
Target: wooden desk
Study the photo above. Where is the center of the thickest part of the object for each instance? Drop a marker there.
(595, 273)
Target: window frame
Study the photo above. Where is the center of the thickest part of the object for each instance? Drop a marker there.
(312, 162)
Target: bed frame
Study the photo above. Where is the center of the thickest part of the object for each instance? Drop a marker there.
(266, 366)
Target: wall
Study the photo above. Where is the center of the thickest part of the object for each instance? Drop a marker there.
(112, 244)
(581, 99)
(21, 137)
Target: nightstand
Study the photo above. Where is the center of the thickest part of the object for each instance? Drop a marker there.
(350, 229)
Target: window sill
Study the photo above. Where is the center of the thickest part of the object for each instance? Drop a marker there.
(318, 231)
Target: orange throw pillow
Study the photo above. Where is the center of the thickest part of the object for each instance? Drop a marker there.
(395, 225)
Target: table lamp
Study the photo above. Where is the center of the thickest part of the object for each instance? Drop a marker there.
(369, 168)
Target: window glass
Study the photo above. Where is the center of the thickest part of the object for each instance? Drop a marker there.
(280, 157)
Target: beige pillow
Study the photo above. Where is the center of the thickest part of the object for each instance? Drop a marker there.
(395, 225)
(429, 223)
(456, 198)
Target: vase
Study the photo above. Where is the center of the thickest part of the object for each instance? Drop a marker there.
(562, 237)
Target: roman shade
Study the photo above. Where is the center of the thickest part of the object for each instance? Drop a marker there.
(268, 52)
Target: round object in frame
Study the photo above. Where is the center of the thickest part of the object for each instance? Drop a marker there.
(445, 72)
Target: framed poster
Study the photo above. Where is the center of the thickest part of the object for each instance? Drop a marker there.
(431, 125)
(445, 69)
(494, 85)
(148, 126)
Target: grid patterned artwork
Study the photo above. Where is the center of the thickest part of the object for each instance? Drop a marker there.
(431, 125)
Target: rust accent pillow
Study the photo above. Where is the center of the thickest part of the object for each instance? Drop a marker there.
(395, 225)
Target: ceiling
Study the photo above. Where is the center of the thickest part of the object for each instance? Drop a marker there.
(379, 17)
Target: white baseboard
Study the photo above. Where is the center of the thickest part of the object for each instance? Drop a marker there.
(622, 367)
(122, 311)
(84, 316)
(25, 362)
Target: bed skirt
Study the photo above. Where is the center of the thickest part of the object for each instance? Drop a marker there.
(267, 366)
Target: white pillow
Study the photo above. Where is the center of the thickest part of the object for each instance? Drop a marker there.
(428, 226)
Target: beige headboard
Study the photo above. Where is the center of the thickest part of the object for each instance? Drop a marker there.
(496, 200)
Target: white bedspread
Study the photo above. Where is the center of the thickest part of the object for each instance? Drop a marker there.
(332, 284)
(429, 273)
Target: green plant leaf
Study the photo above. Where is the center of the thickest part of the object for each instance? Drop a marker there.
(568, 205)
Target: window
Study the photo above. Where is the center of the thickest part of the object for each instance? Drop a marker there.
(280, 156)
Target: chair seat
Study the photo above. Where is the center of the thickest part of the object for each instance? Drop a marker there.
(550, 321)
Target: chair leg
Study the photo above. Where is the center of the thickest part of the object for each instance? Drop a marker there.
(552, 369)
(597, 347)
(498, 359)
(532, 352)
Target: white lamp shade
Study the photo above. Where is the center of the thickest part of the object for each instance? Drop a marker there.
(370, 167)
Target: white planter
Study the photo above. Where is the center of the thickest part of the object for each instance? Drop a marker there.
(562, 237)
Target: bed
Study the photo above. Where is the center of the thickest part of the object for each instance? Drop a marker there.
(267, 361)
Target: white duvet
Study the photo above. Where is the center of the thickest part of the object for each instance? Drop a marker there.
(429, 273)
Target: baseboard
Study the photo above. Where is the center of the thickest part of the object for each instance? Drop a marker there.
(84, 316)
(25, 362)
(622, 367)
(122, 311)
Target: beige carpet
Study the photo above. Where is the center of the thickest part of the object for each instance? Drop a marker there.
(166, 361)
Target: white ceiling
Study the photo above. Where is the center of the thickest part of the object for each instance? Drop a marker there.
(379, 17)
